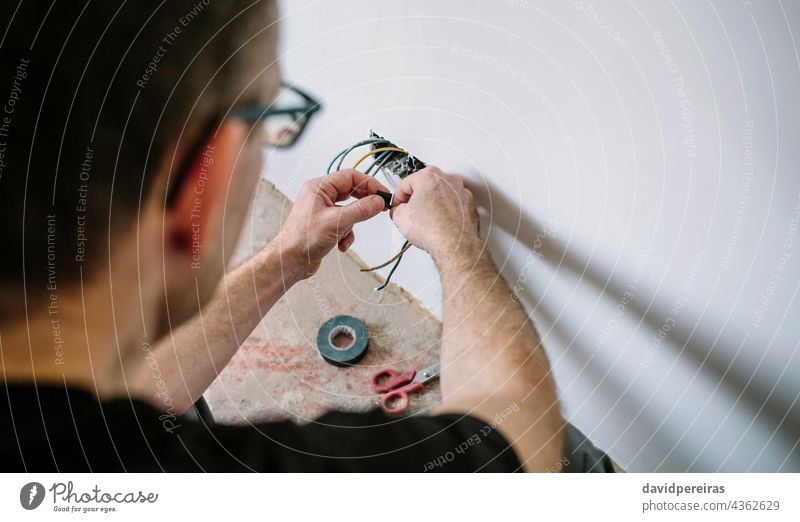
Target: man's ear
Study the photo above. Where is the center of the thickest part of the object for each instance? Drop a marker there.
(193, 220)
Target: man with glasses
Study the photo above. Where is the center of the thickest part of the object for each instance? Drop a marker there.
(131, 143)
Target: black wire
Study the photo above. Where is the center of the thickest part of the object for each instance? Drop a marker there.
(391, 272)
(380, 161)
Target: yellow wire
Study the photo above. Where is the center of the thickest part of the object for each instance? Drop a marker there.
(394, 257)
(375, 151)
(357, 163)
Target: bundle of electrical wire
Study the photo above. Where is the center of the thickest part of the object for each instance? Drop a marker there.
(382, 151)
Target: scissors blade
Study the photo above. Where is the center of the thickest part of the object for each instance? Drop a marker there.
(429, 373)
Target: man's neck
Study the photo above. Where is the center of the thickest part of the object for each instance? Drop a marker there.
(66, 346)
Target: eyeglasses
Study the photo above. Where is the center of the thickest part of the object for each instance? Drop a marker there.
(285, 119)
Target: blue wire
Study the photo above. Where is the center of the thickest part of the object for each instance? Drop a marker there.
(391, 272)
(382, 159)
(347, 151)
(328, 171)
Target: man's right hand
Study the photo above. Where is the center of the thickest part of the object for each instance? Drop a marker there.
(440, 217)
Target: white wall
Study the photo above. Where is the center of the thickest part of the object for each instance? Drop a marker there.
(666, 169)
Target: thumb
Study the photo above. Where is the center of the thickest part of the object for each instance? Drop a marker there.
(361, 210)
(401, 218)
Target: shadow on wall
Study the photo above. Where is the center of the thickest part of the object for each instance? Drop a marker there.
(696, 345)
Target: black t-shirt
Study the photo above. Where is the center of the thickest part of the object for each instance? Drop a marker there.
(47, 428)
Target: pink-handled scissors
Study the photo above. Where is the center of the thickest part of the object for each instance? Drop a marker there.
(395, 387)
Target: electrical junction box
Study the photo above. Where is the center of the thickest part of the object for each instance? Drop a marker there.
(399, 164)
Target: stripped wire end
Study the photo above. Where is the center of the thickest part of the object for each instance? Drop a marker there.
(393, 162)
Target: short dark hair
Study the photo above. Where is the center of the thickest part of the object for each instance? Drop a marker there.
(92, 97)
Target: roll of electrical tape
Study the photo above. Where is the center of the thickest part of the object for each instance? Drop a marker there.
(348, 325)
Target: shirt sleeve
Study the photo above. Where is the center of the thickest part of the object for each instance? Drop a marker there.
(364, 442)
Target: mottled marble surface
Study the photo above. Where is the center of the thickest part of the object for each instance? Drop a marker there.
(278, 373)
